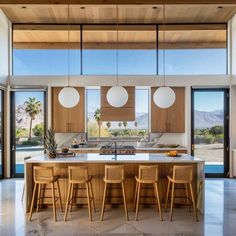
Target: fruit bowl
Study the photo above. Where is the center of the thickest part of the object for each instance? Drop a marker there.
(173, 154)
(64, 150)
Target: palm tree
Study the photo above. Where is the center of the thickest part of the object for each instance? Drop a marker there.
(32, 108)
(97, 117)
(108, 124)
(125, 123)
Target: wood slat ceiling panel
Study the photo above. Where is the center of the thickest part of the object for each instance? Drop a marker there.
(129, 37)
(198, 13)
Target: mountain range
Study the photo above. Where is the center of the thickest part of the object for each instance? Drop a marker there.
(205, 119)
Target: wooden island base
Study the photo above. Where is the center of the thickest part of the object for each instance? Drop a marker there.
(96, 169)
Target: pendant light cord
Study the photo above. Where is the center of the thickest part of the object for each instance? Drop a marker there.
(164, 41)
(117, 43)
(68, 37)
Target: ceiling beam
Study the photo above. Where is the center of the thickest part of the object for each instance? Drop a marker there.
(103, 46)
(121, 2)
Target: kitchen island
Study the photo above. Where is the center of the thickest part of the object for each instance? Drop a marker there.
(96, 163)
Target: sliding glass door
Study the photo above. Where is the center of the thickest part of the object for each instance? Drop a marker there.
(27, 129)
(210, 128)
(1, 133)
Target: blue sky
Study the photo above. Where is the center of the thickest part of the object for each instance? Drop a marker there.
(208, 101)
(21, 97)
(130, 62)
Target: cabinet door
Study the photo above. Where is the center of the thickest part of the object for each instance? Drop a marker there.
(158, 116)
(68, 120)
(60, 114)
(170, 120)
(77, 114)
(125, 113)
(176, 113)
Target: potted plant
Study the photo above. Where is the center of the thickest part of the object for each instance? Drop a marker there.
(50, 143)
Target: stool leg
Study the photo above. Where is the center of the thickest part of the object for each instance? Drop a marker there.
(32, 202)
(23, 193)
(67, 201)
(43, 189)
(137, 202)
(103, 201)
(72, 196)
(187, 196)
(167, 195)
(59, 193)
(38, 199)
(89, 201)
(172, 201)
(53, 202)
(135, 195)
(92, 195)
(125, 203)
(156, 196)
(193, 200)
(158, 201)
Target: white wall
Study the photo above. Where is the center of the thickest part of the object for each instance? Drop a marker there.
(4, 48)
(5, 43)
(233, 92)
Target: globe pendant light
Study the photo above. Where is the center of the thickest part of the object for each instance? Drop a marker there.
(164, 97)
(68, 97)
(117, 96)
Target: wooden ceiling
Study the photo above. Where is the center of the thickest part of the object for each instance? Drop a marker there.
(129, 37)
(82, 14)
(116, 2)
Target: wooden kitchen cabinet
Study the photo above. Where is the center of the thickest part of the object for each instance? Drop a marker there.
(125, 113)
(68, 120)
(170, 120)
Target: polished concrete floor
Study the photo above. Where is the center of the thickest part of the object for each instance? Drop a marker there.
(219, 218)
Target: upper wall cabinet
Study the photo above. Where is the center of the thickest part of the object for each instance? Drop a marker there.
(170, 120)
(125, 113)
(68, 120)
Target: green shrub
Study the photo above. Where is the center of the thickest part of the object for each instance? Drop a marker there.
(215, 130)
(209, 139)
(38, 130)
(30, 143)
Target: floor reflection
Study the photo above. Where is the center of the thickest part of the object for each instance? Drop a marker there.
(219, 219)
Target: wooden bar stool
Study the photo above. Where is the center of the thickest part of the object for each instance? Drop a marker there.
(78, 175)
(23, 191)
(148, 174)
(114, 174)
(181, 175)
(45, 176)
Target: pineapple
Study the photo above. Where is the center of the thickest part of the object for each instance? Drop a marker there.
(50, 143)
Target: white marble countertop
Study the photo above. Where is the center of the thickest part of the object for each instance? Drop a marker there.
(137, 158)
(137, 148)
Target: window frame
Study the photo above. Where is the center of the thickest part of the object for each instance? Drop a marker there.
(119, 138)
(131, 24)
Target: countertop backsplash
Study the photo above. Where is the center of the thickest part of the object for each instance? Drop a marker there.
(156, 139)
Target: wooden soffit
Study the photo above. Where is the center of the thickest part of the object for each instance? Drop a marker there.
(125, 113)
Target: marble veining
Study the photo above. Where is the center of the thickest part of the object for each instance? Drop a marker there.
(219, 218)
